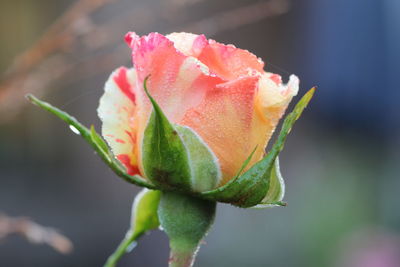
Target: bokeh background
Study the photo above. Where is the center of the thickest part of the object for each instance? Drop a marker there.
(341, 163)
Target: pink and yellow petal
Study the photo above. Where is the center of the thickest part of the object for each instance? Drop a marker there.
(177, 82)
(188, 43)
(188, 80)
(226, 61)
(238, 116)
(271, 102)
(273, 93)
(229, 62)
(117, 111)
(224, 121)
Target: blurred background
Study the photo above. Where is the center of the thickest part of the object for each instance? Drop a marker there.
(340, 164)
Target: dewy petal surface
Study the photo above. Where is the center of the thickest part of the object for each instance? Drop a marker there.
(219, 91)
(224, 121)
(271, 102)
(117, 111)
(226, 61)
(177, 82)
(238, 116)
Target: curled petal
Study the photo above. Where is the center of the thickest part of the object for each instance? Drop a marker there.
(273, 93)
(117, 111)
(226, 61)
(229, 62)
(188, 43)
(271, 102)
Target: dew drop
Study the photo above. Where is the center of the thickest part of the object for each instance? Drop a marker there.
(131, 247)
(74, 130)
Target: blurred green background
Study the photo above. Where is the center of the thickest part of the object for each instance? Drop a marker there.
(340, 163)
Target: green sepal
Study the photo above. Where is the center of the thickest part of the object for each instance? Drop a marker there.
(204, 165)
(276, 189)
(246, 190)
(94, 139)
(144, 212)
(186, 220)
(245, 163)
(252, 187)
(165, 159)
(99, 141)
(175, 157)
(144, 218)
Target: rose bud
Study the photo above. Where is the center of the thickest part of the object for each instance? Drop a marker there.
(191, 119)
(194, 116)
(217, 104)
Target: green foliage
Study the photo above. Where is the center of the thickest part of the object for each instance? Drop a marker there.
(204, 165)
(174, 157)
(98, 140)
(248, 189)
(144, 212)
(245, 163)
(183, 167)
(144, 218)
(165, 159)
(94, 140)
(252, 187)
(276, 189)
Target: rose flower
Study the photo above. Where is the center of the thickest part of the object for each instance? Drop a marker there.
(190, 121)
(220, 92)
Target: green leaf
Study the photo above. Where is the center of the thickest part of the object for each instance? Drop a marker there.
(186, 220)
(144, 212)
(94, 140)
(204, 165)
(144, 219)
(165, 158)
(252, 187)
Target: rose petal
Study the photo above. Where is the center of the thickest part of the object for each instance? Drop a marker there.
(188, 80)
(238, 116)
(117, 110)
(273, 93)
(174, 81)
(226, 61)
(177, 82)
(188, 43)
(270, 105)
(229, 62)
(224, 121)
